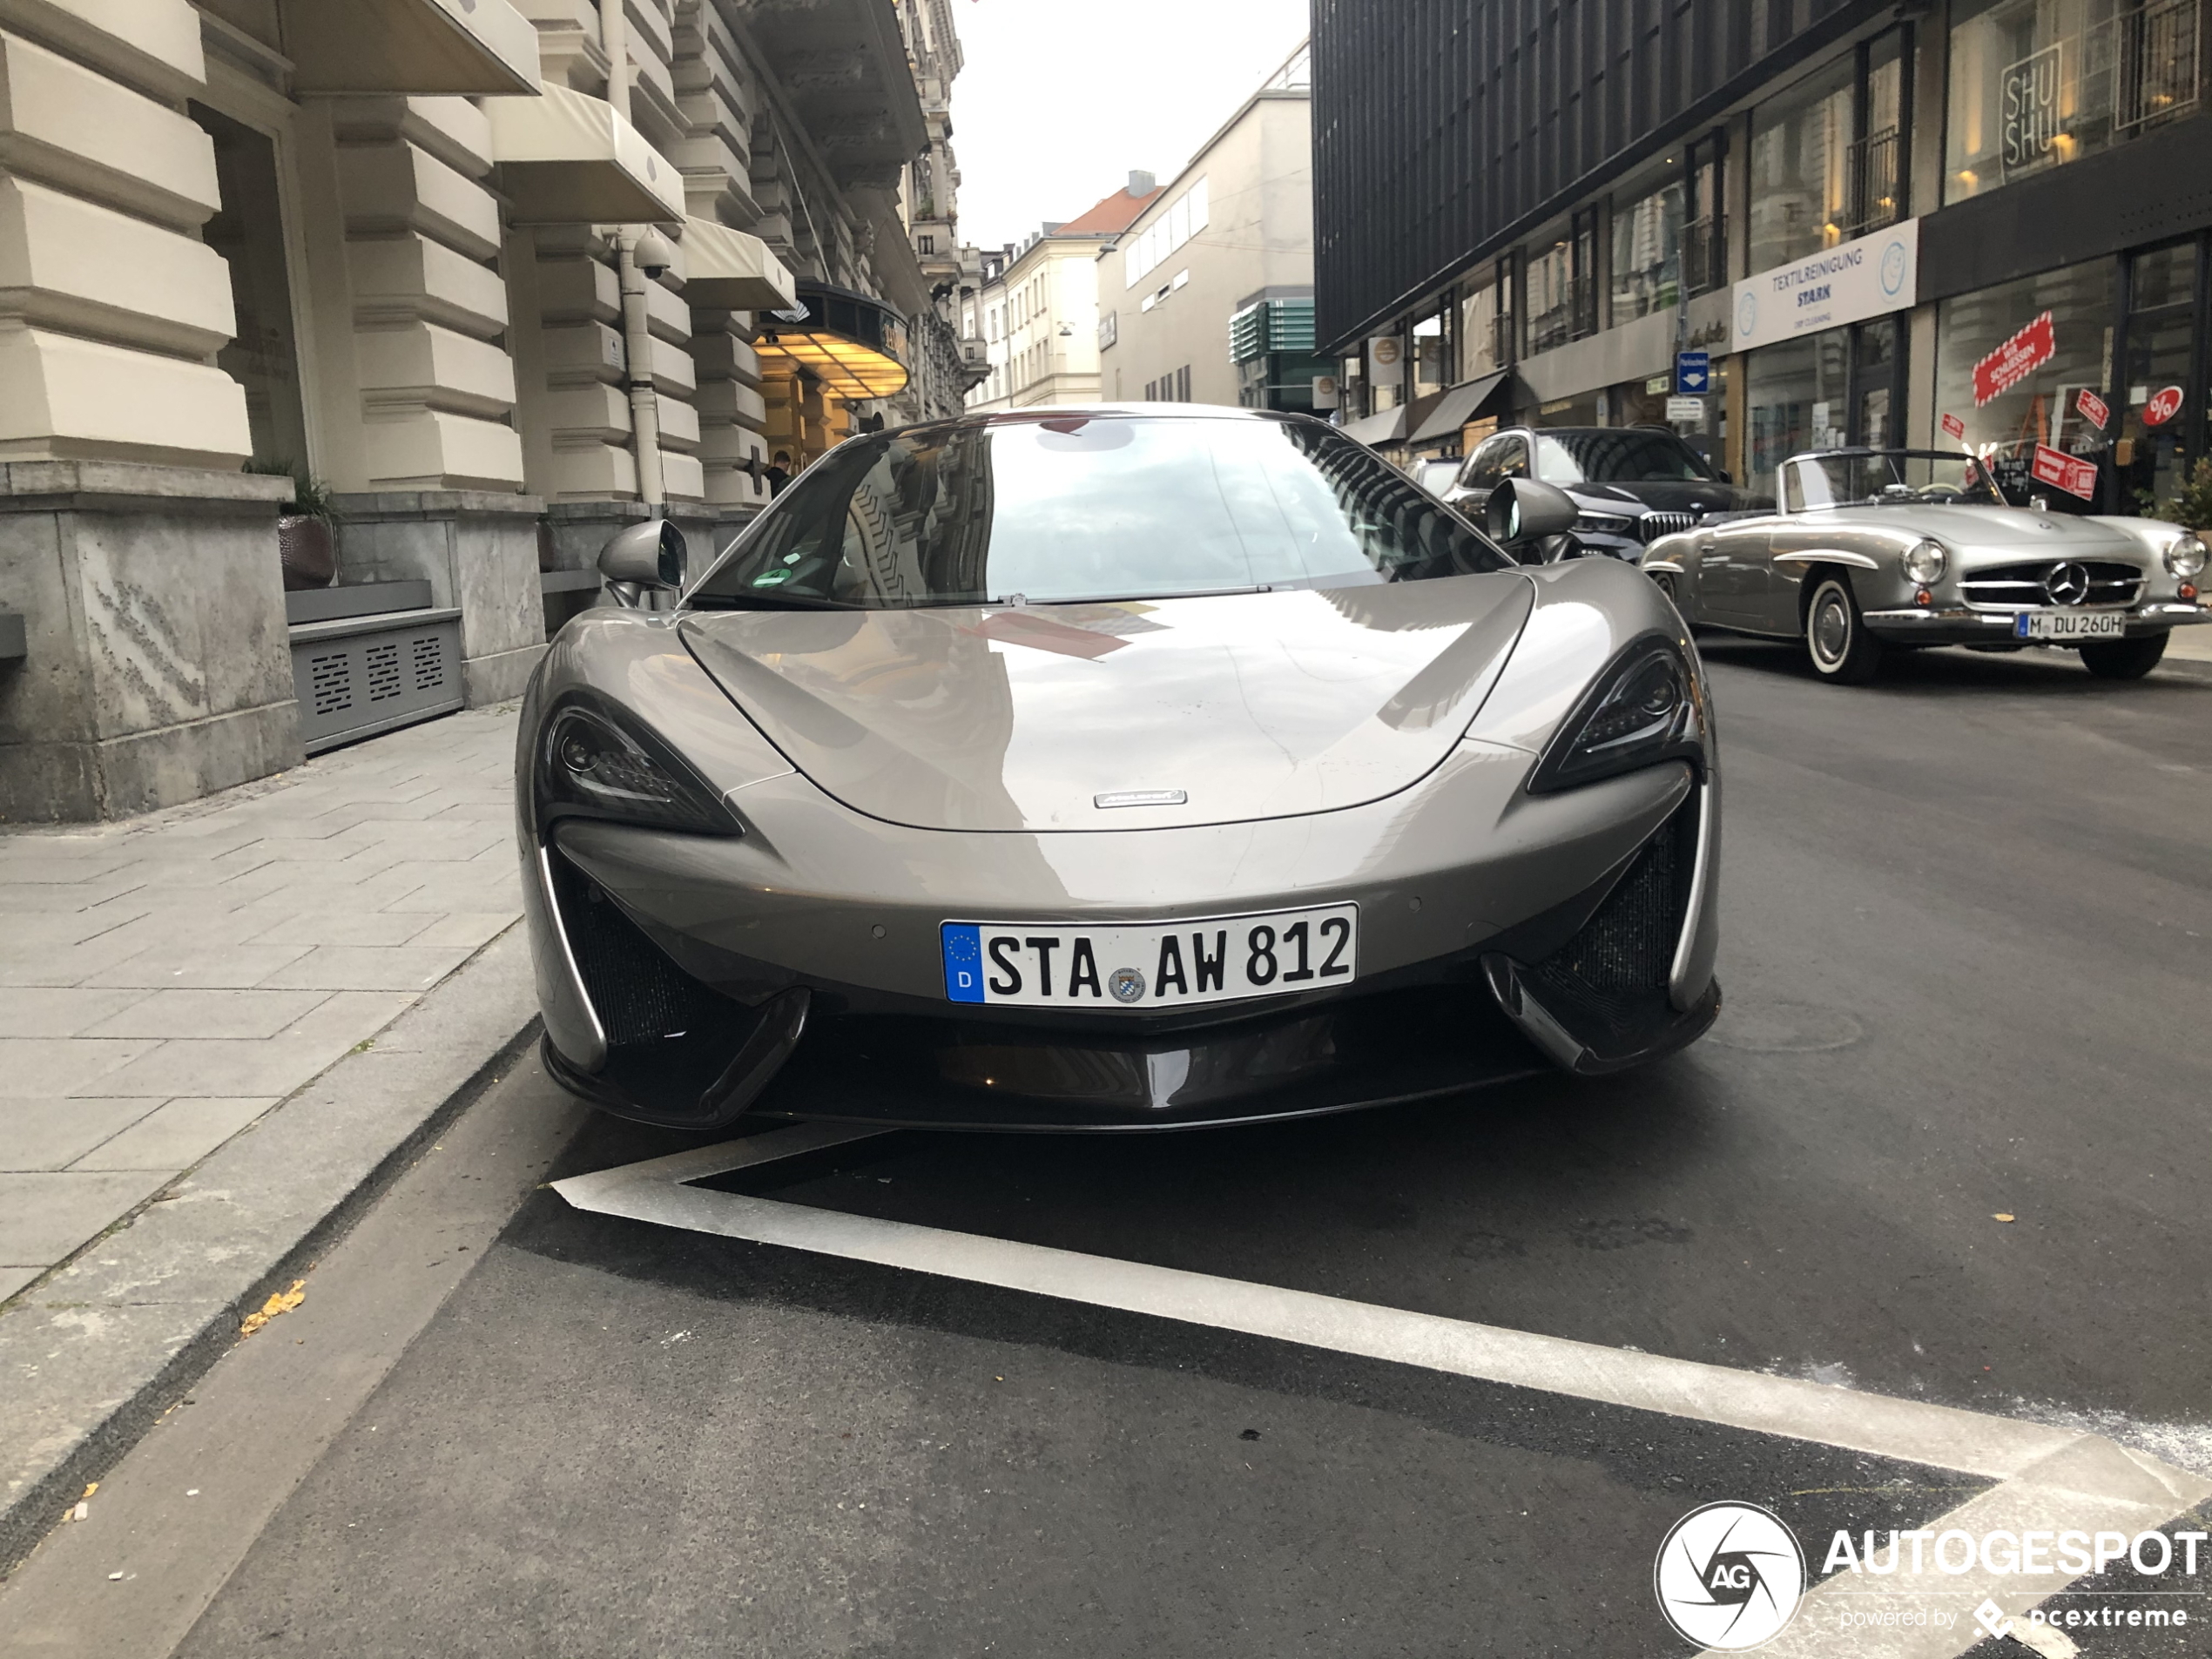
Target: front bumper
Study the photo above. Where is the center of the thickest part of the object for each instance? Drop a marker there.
(659, 1009)
(1966, 626)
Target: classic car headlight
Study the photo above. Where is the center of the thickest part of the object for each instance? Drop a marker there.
(593, 765)
(1645, 708)
(1925, 562)
(2185, 556)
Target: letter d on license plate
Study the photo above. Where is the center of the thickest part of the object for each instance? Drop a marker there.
(1219, 959)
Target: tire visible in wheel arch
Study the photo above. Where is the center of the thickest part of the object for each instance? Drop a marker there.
(2125, 659)
(1836, 639)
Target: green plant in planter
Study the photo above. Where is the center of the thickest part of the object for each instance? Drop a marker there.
(307, 543)
(310, 495)
(2192, 508)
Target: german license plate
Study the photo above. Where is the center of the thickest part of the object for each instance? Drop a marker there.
(2069, 625)
(1049, 964)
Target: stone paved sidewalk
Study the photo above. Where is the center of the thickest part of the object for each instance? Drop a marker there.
(166, 982)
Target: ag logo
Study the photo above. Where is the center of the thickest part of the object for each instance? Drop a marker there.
(1728, 1577)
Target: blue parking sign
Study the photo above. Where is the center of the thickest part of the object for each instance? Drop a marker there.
(1693, 373)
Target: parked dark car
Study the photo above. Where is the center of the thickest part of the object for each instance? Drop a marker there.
(1630, 485)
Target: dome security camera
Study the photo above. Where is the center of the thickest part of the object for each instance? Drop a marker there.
(652, 252)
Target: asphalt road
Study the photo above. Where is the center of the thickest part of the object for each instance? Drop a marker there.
(1967, 939)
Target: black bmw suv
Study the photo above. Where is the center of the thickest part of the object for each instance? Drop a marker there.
(1631, 484)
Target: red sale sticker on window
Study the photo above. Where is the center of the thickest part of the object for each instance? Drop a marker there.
(2063, 471)
(2093, 407)
(2015, 360)
(2164, 406)
(1955, 427)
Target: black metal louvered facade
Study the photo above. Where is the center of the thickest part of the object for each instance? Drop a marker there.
(1443, 129)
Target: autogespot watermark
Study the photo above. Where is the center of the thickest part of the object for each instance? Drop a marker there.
(1730, 1576)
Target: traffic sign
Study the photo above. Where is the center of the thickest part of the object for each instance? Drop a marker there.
(1693, 373)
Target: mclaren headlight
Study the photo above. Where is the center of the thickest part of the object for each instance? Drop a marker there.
(2185, 556)
(1645, 708)
(1925, 562)
(593, 764)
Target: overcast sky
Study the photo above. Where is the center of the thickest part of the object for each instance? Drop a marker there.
(1060, 98)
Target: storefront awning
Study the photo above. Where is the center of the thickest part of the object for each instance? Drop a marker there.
(1389, 426)
(1459, 405)
(855, 346)
(568, 158)
(482, 47)
(727, 270)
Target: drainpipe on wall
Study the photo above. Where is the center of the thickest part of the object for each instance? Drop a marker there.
(637, 334)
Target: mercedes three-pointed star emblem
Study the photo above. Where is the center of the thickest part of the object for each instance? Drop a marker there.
(2066, 583)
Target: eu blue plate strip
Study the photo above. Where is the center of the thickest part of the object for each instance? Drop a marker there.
(963, 961)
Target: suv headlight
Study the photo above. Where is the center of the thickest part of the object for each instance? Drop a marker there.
(591, 764)
(1925, 562)
(2185, 556)
(1646, 707)
(1605, 524)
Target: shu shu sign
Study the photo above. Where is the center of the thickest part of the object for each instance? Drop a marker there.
(2015, 360)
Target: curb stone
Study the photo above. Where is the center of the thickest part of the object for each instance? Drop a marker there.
(91, 1356)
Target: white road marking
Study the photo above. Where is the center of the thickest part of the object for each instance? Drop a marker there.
(2049, 1477)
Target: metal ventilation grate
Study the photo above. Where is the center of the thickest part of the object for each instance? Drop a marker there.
(330, 681)
(353, 677)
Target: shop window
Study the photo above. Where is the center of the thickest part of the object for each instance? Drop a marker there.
(1796, 398)
(1647, 253)
(1481, 351)
(2151, 452)
(1705, 236)
(1800, 145)
(2036, 83)
(2036, 403)
(1432, 354)
(1562, 288)
(248, 232)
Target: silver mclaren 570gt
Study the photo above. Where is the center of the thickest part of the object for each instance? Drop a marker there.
(1114, 768)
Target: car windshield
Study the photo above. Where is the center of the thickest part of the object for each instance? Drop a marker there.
(1625, 455)
(1888, 478)
(1062, 509)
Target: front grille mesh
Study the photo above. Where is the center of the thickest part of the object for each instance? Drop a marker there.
(2011, 586)
(1616, 969)
(638, 994)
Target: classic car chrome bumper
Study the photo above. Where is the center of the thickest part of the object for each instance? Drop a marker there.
(1958, 624)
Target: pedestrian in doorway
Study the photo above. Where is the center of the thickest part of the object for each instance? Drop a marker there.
(778, 473)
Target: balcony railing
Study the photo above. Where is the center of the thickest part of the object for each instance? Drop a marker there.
(1704, 254)
(1573, 316)
(2154, 59)
(1871, 196)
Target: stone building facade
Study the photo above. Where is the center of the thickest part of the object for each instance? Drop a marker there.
(489, 278)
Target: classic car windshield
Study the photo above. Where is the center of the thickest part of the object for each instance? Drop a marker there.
(1622, 455)
(1056, 509)
(1886, 478)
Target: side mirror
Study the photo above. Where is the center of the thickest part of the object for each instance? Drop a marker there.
(651, 555)
(1520, 509)
(1722, 474)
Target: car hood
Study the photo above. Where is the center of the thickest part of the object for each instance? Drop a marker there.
(2016, 532)
(1660, 496)
(1252, 705)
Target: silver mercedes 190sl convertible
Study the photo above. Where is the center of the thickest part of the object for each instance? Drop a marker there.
(1874, 548)
(1113, 767)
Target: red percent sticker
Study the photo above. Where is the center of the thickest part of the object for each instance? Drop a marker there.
(2099, 413)
(1956, 427)
(2164, 406)
(2015, 360)
(2063, 471)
